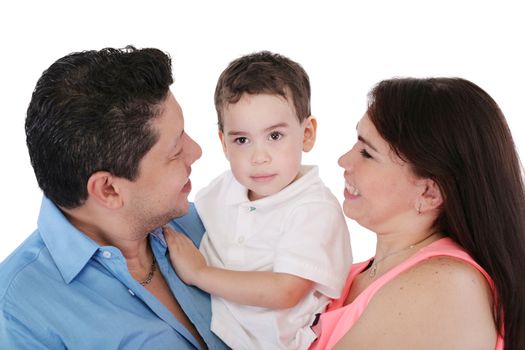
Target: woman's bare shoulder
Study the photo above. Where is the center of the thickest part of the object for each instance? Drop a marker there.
(442, 275)
(439, 303)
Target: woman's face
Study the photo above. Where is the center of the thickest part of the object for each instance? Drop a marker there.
(381, 191)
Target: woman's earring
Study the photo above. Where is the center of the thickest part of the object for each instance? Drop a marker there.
(419, 208)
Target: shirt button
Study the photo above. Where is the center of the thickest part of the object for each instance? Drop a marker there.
(240, 240)
(106, 254)
(131, 292)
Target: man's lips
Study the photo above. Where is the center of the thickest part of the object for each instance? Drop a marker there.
(187, 187)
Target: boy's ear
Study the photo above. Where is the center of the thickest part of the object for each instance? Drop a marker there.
(310, 129)
(103, 188)
(223, 142)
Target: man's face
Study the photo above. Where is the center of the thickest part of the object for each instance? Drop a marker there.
(161, 190)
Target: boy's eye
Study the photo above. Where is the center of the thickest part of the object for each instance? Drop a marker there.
(275, 136)
(241, 140)
(365, 153)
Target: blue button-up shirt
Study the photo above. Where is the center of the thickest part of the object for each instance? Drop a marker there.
(60, 289)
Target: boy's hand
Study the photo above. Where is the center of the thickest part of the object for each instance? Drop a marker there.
(185, 257)
(257, 288)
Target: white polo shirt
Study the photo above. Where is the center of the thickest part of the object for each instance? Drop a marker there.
(300, 231)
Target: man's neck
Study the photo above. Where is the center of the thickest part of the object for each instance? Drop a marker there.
(133, 245)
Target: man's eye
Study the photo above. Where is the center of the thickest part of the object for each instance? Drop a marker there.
(177, 155)
(241, 140)
(275, 136)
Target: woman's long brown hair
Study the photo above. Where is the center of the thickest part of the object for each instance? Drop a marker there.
(453, 132)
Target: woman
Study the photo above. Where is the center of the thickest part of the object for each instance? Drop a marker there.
(436, 176)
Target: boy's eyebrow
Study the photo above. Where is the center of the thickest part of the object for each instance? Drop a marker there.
(278, 125)
(236, 133)
(275, 126)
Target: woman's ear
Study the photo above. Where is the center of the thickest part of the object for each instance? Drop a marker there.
(310, 130)
(431, 198)
(103, 188)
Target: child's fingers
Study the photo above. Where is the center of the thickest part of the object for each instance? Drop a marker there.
(174, 238)
(169, 231)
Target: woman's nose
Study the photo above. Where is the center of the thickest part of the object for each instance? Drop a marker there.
(345, 160)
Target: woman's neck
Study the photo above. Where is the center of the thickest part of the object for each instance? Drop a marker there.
(391, 243)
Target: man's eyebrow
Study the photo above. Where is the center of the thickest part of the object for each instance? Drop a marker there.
(176, 142)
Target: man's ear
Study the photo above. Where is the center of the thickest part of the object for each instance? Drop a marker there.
(310, 130)
(103, 188)
(431, 198)
(223, 143)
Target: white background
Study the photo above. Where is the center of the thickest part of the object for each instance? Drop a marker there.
(346, 47)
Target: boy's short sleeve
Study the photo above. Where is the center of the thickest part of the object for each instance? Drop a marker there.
(316, 246)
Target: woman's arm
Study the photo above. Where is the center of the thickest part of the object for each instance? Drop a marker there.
(441, 303)
(257, 288)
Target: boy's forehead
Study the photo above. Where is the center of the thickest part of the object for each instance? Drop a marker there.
(247, 97)
(264, 106)
(248, 103)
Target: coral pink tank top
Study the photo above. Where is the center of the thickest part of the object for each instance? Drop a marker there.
(338, 319)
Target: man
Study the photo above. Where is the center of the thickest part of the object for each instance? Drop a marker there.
(107, 143)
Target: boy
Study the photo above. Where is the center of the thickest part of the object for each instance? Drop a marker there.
(277, 246)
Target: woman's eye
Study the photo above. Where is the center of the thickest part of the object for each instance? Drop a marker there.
(275, 136)
(365, 153)
(240, 140)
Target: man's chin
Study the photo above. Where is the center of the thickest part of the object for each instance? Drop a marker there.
(178, 212)
(163, 220)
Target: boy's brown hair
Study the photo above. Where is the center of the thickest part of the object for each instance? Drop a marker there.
(263, 73)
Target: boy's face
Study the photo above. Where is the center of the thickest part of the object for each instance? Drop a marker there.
(264, 141)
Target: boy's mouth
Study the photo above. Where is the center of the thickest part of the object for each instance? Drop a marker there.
(263, 177)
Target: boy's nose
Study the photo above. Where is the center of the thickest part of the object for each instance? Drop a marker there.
(260, 156)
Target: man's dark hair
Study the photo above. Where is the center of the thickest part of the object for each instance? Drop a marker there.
(92, 111)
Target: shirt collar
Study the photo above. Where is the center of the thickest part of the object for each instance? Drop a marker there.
(70, 249)
(157, 241)
(308, 175)
(236, 193)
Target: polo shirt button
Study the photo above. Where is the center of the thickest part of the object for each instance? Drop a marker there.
(240, 240)
(106, 254)
(131, 292)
